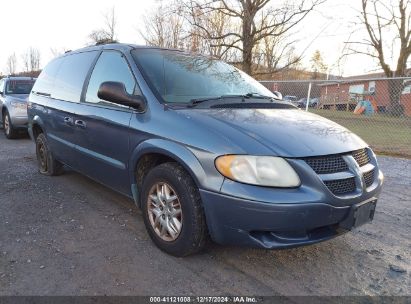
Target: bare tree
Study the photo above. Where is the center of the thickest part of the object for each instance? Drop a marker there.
(317, 64)
(274, 54)
(388, 26)
(209, 30)
(164, 27)
(252, 34)
(31, 59)
(34, 59)
(170, 25)
(257, 20)
(12, 64)
(26, 61)
(108, 33)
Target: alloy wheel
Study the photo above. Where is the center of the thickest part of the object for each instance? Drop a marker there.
(42, 153)
(6, 124)
(164, 211)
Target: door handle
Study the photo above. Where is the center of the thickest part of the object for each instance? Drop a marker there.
(68, 121)
(80, 124)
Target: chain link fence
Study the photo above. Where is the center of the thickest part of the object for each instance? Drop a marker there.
(378, 110)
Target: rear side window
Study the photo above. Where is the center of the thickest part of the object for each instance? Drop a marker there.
(111, 66)
(71, 75)
(44, 83)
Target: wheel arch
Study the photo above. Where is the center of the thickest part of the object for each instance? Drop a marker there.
(4, 109)
(153, 152)
(36, 127)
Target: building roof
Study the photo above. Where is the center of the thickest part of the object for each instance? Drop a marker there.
(360, 78)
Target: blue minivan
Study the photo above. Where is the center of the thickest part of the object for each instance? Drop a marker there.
(202, 148)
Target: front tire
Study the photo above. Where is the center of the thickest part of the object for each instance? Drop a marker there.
(9, 131)
(172, 210)
(46, 162)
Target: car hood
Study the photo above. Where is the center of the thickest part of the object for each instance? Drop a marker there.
(19, 97)
(286, 132)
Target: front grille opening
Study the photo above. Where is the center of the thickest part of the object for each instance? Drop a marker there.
(361, 157)
(369, 178)
(335, 163)
(341, 186)
(327, 164)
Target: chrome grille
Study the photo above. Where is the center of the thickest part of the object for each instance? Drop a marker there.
(369, 178)
(335, 163)
(361, 157)
(341, 186)
(327, 164)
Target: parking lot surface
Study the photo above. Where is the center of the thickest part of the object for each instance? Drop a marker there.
(68, 235)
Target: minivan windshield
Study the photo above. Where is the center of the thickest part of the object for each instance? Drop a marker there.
(19, 86)
(178, 77)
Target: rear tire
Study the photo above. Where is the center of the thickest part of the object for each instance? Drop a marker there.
(9, 131)
(48, 165)
(186, 232)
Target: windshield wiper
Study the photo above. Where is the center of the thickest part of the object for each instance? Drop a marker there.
(196, 101)
(260, 96)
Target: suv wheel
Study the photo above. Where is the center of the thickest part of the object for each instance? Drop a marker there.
(47, 164)
(172, 210)
(9, 131)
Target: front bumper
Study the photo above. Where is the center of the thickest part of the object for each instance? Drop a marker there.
(285, 221)
(19, 122)
(18, 117)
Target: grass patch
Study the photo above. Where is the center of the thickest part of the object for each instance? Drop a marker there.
(385, 134)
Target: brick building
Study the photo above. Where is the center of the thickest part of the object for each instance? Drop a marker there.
(343, 92)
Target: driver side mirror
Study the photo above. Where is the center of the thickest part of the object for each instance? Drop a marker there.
(115, 92)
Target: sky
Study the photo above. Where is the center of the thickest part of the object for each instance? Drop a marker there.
(47, 25)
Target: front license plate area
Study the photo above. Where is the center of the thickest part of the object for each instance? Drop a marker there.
(359, 214)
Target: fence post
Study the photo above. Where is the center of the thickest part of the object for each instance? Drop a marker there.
(308, 97)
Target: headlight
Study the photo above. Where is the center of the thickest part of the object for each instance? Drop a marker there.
(267, 171)
(19, 105)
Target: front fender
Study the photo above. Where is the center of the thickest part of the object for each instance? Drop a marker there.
(36, 120)
(199, 164)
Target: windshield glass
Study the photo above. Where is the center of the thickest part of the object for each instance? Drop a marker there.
(19, 86)
(179, 78)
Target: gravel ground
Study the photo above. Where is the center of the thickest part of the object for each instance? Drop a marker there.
(68, 235)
